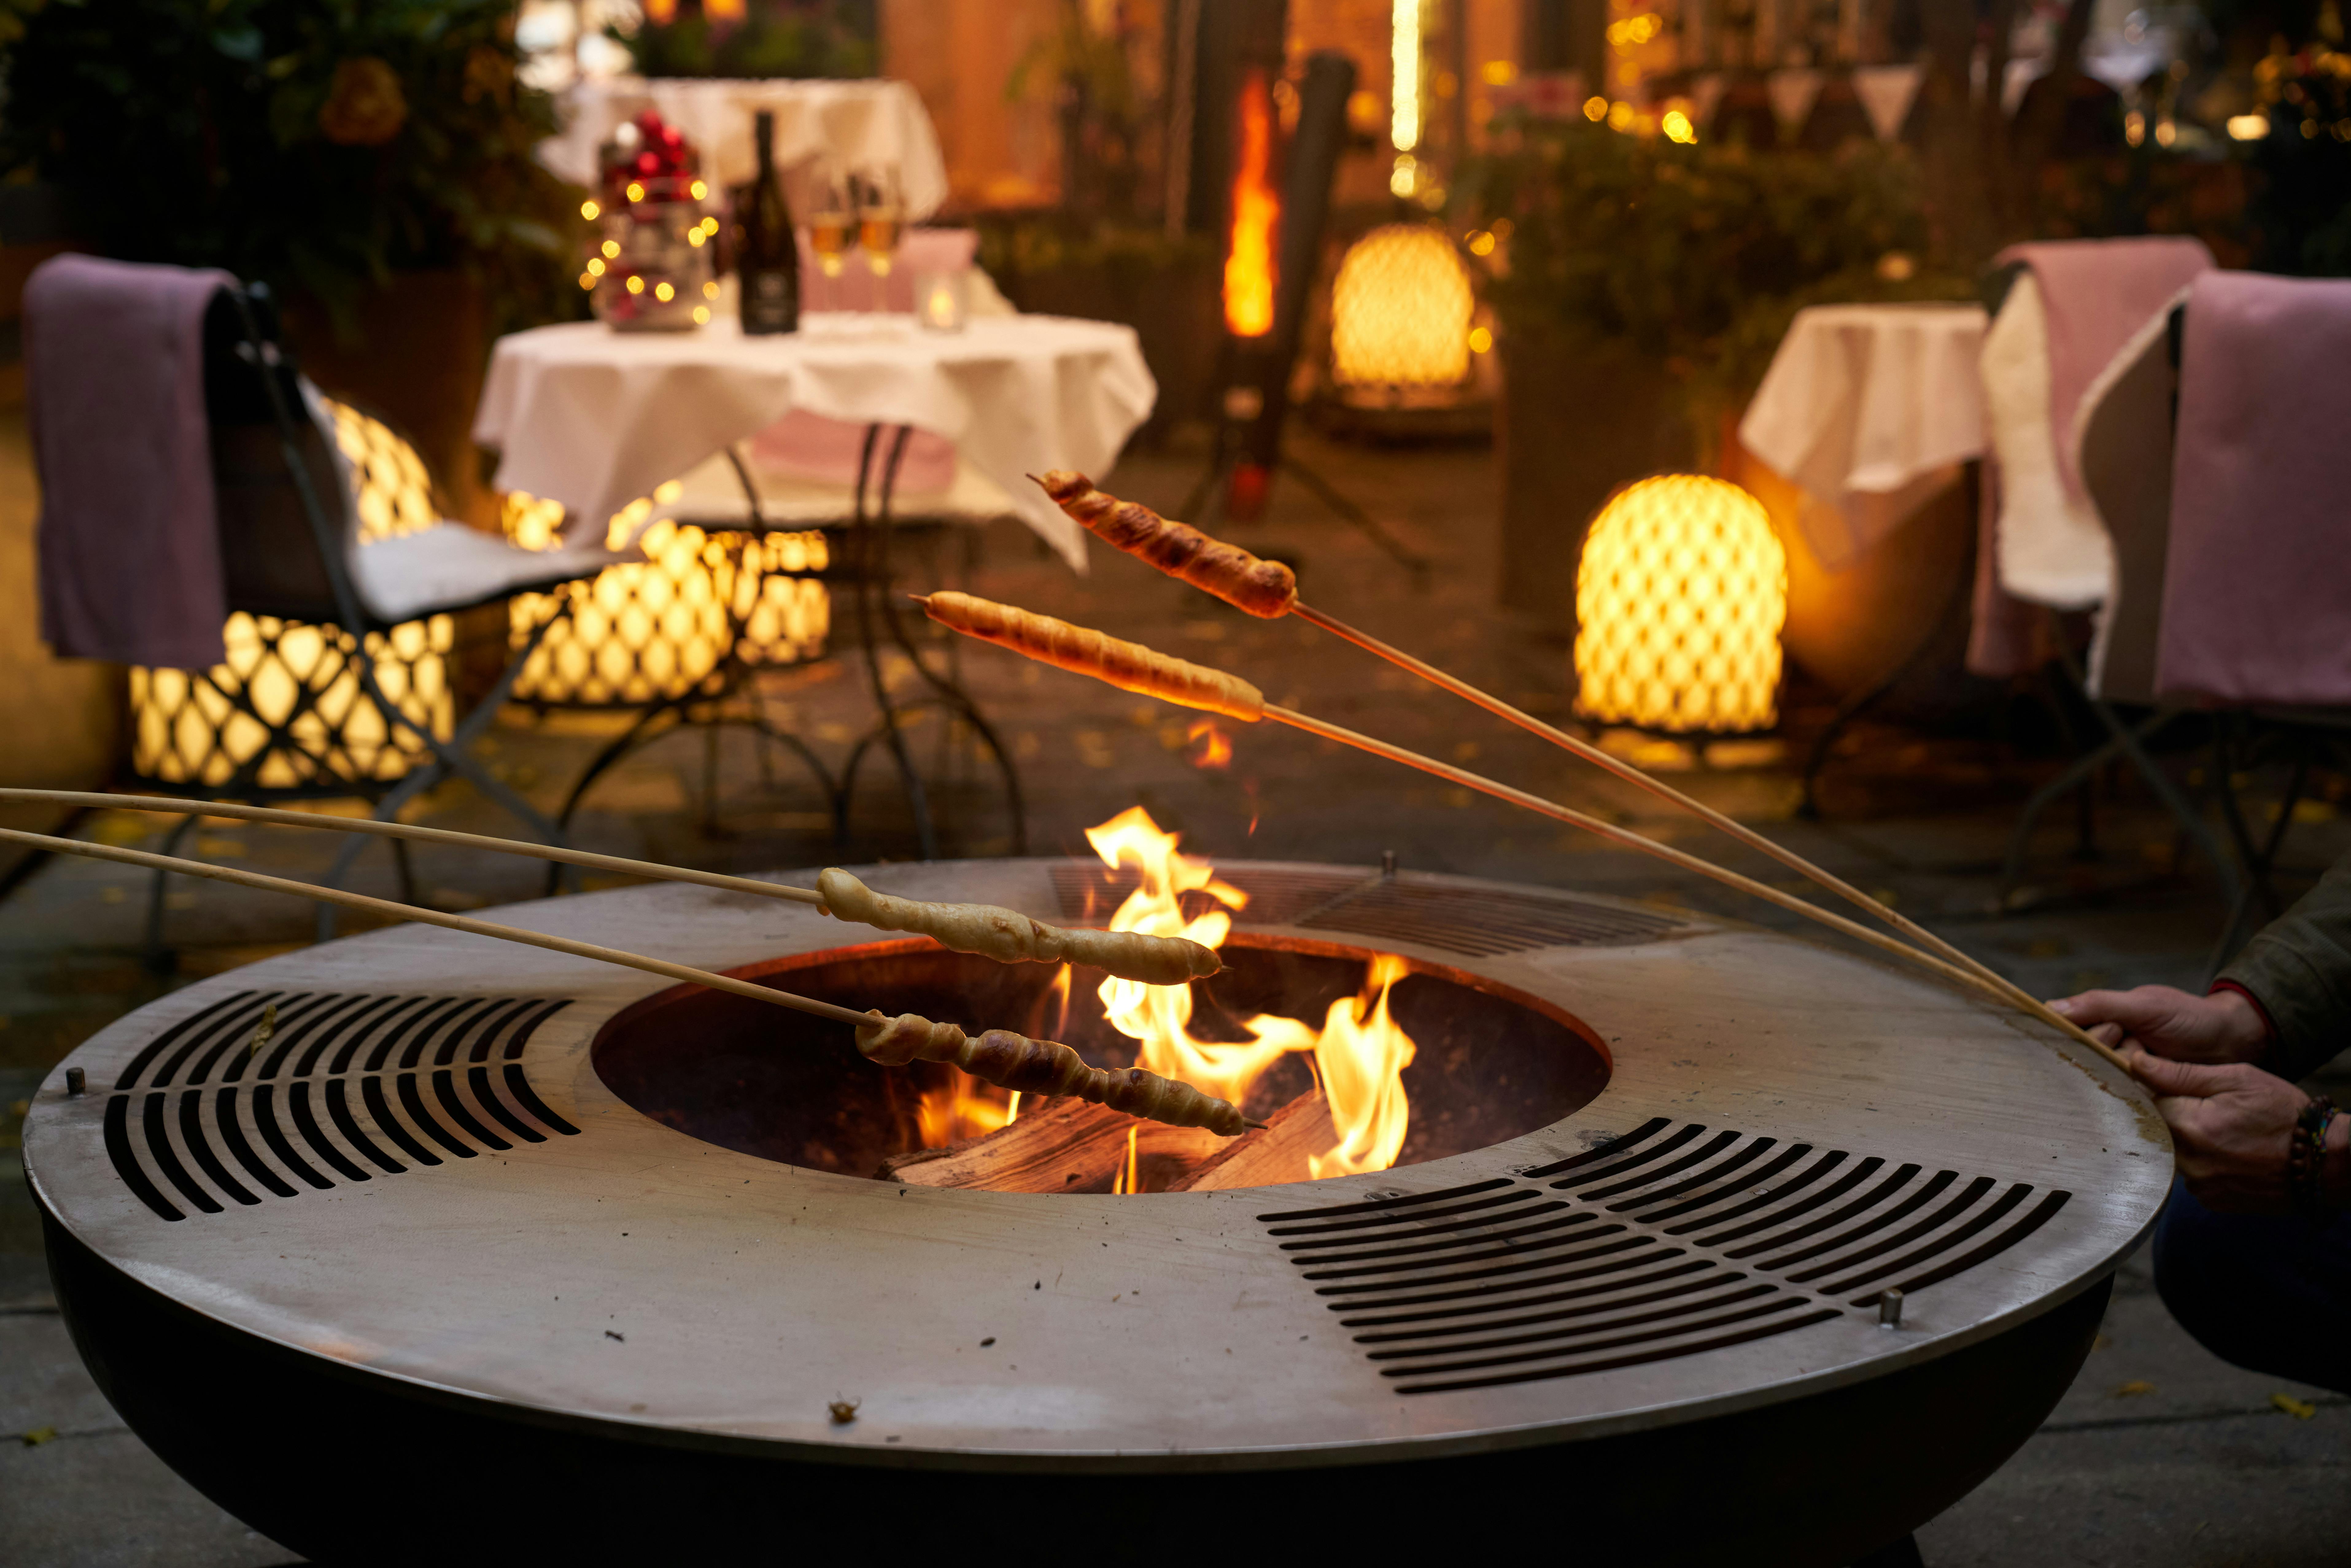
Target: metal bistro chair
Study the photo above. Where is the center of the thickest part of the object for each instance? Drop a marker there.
(293, 549)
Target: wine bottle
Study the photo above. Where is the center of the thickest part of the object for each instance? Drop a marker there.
(767, 258)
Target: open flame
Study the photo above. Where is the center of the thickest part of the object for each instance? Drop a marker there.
(1360, 1053)
(963, 1108)
(1212, 747)
(1248, 263)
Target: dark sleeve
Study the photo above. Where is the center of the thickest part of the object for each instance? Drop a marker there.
(2299, 969)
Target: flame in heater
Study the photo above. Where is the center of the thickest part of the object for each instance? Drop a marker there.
(1359, 1052)
(1215, 747)
(963, 1108)
(1248, 264)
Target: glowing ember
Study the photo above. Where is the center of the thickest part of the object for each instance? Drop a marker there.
(1214, 747)
(1360, 1053)
(1248, 265)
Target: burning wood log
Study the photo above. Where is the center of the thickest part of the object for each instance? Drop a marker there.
(1061, 1146)
(1268, 589)
(1279, 1153)
(1003, 935)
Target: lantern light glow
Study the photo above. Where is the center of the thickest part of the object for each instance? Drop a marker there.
(1403, 93)
(1679, 601)
(1400, 311)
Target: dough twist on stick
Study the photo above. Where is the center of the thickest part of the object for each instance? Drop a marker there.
(1010, 937)
(1015, 1061)
(1130, 666)
(1131, 956)
(1264, 587)
(1230, 572)
(1045, 1067)
(1966, 973)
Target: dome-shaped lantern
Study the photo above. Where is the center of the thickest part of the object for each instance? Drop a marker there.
(1678, 604)
(1400, 311)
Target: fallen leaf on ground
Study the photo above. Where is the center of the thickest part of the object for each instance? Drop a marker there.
(2133, 1387)
(2299, 1409)
(39, 1435)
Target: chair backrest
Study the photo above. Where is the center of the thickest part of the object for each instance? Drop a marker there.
(278, 555)
(2126, 432)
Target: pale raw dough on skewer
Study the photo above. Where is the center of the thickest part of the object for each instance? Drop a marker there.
(1045, 1067)
(1009, 936)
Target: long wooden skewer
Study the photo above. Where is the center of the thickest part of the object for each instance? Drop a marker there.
(994, 1057)
(1268, 589)
(1664, 791)
(1132, 667)
(618, 863)
(1002, 934)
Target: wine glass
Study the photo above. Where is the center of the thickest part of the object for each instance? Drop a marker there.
(828, 226)
(878, 219)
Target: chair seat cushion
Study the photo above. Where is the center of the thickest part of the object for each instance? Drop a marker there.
(452, 567)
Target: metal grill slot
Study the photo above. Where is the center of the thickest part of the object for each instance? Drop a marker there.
(162, 1043)
(297, 1100)
(230, 1040)
(1486, 1292)
(1418, 1219)
(228, 1026)
(1765, 1200)
(479, 1079)
(1907, 1207)
(521, 1037)
(440, 1027)
(1713, 1147)
(1612, 1302)
(1485, 1308)
(1706, 1178)
(444, 1089)
(1455, 1243)
(374, 1028)
(1608, 1150)
(413, 1103)
(1586, 1283)
(1638, 1335)
(2041, 1212)
(519, 1087)
(352, 1025)
(379, 1110)
(339, 1110)
(1881, 1245)
(126, 1162)
(391, 1036)
(1524, 1264)
(167, 1158)
(232, 1134)
(288, 1039)
(199, 1148)
(1633, 1159)
(1609, 1363)
(480, 1033)
(265, 1118)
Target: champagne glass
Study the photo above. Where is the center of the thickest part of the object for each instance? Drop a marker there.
(828, 226)
(877, 228)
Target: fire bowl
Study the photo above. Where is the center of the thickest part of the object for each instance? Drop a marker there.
(1715, 1242)
(1489, 1064)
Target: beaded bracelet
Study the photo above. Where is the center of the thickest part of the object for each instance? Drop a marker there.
(2306, 1158)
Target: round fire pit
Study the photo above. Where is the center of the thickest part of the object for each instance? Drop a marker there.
(1702, 1241)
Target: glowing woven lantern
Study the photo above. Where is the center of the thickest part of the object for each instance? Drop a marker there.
(1678, 603)
(1400, 311)
(284, 711)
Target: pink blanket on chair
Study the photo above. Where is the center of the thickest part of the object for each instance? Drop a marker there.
(2257, 581)
(130, 550)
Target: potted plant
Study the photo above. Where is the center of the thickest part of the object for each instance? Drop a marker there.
(373, 163)
(1640, 285)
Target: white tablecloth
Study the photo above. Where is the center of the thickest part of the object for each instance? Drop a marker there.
(1869, 409)
(596, 419)
(852, 125)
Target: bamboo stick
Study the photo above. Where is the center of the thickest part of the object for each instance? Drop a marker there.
(1084, 1082)
(1664, 791)
(414, 834)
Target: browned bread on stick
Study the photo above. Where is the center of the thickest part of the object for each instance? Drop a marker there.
(1009, 936)
(1266, 589)
(1044, 1067)
(1130, 666)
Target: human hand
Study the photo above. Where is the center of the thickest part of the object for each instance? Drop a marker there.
(2231, 1129)
(2224, 1027)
